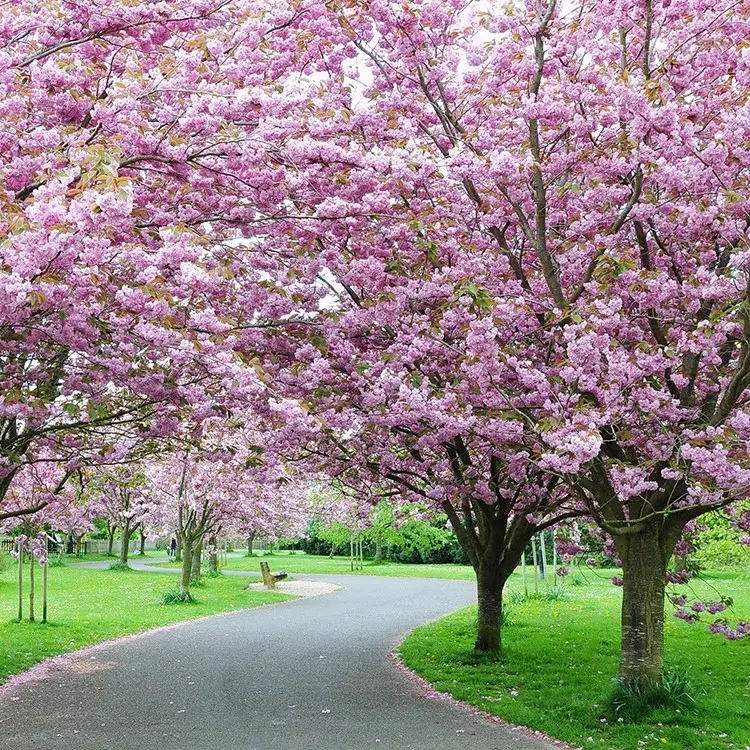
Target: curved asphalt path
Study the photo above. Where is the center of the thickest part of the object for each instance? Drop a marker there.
(306, 674)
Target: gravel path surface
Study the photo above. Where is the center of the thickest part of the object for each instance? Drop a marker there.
(308, 674)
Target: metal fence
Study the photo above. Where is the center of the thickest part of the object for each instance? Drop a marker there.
(99, 546)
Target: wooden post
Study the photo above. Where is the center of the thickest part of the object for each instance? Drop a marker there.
(20, 580)
(554, 557)
(361, 555)
(31, 587)
(44, 592)
(536, 564)
(351, 551)
(523, 573)
(543, 550)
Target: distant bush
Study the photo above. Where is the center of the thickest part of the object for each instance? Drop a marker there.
(718, 546)
(410, 542)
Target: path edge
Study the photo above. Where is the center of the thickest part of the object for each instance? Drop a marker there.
(52, 665)
(427, 690)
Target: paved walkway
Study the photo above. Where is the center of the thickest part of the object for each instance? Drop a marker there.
(308, 674)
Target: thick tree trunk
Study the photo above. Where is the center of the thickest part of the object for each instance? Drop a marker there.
(378, 548)
(489, 608)
(187, 569)
(644, 568)
(196, 553)
(178, 548)
(250, 540)
(142, 549)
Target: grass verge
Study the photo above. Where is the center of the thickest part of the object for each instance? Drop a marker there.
(299, 562)
(103, 556)
(89, 606)
(558, 661)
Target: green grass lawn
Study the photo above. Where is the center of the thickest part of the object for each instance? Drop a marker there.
(299, 562)
(89, 606)
(98, 556)
(559, 658)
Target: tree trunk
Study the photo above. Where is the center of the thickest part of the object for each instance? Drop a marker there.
(178, 548)
(110, 538)
(187, 569)
(142, 548)
(644, 568)
(213, 558)
(495, 549)
(250, 540)
(378, 548)
(125, 541)
(195, 568)
(489, 608)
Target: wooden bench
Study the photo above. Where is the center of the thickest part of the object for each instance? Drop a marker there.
(269, 578)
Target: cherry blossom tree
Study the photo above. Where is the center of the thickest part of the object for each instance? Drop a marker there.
(127, 151)
(531, 221)
(119, 495)
(490, 256)
(279, 507)
(225, 481)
